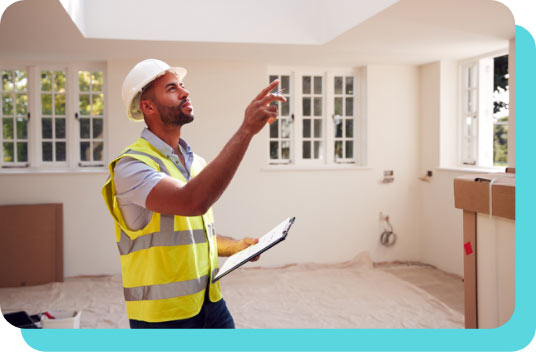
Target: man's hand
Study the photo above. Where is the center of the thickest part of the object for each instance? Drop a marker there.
(245, 243)
(228, 246)
(259, 111)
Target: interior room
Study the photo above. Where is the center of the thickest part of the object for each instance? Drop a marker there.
(388, 103)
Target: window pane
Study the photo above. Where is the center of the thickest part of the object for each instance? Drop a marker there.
(47, 151)
(349, 149)
(60, 151)
(46, 104)
(85, 151)
(285, 128)
(8, 152)
(318, 85)
(338, 150)
(7, 81)
(274, 129)
(97, 105)
(22, 104)
(338, 128)
(84, 80)
(59, 82)
(349, 128)
(22, 129)
(349, 85)
(7, 128)
(59, 104)
(318, 128)
(46, 128)
(306, 84)
(84, 104)
(338, 85)
(285, 150)
(285, 84)
(97, 151)
(318, 150)
(46, 81)
(306, 128)
(22, 151)
(306, 106)
(349, 106)
(96, 80)
(338, 106)
(21, 81)
(285, 108)
(84, 128)
(97, 127)
(7, 104)
(469, 73)
(306, 149)
(60, 128)
(318, 106)
(273, 150)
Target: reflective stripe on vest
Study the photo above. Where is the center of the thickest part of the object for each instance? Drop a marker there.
(163, 167)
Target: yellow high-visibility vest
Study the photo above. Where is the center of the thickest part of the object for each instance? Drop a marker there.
(167, 265)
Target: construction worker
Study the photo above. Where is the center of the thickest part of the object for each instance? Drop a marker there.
(160, 195)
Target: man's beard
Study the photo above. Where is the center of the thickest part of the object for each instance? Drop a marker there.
(173, 115)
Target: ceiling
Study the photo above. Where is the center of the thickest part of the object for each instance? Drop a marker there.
(408, 31)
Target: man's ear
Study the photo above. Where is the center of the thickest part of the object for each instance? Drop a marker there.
(147, 107)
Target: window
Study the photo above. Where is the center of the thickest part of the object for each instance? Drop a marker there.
(484, 111)
(52, 117)
(317, 125)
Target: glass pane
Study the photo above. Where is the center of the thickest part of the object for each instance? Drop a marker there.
(349, 106)
(22, 104)
(338, 85)
(47, 151)
(274, 129)
(7, 104)
(306, 150)
(97, 128)
(59, 82)
(84, 151)
(46, 81)
(306, 128)
(285, 128)
(306, 106)
(349, 149)
(338, 150)
(285, 150)
(349, 128)
(273, 150)
(338, 106)
(306, 84)
(349, 85)
(285, 84)
(46, 104)
(60, 128)
(97, 109)
(22, 151)
(84, 128)
(338, 128)
(22, 129)
(7, 128)
(96, 80)
(318, 149)
(8, 152)
(59, 104)
(7, 81)
(97, 151)
(60, 151)
(84, 80)
(285, 108)
(84, 104)
(46, 128)
(318, 85)
(21, 81)
(318, 128)
(318, 106)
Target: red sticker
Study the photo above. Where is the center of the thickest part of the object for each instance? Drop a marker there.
(468, 248)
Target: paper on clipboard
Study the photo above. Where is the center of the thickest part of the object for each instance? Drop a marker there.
(273, 237)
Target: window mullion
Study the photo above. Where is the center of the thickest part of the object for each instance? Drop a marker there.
(34, 139)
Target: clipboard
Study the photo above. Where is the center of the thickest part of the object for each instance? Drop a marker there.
(270, 239)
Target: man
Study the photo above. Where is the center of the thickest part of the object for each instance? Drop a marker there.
(160, 196)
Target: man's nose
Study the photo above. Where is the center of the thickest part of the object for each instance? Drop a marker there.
(183, 93)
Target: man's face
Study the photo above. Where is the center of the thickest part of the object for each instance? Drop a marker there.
(171, 100)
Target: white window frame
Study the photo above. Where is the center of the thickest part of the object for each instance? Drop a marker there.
(72, 126)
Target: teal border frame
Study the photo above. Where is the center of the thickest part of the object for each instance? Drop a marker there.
(514, 335)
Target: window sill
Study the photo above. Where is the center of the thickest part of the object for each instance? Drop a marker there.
(286, 167)
(38, 171)
(474, 169)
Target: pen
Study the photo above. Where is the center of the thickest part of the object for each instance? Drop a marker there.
(272, 119)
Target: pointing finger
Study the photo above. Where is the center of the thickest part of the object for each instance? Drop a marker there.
(265, 91)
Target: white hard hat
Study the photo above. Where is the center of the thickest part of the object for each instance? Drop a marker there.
(140, 76)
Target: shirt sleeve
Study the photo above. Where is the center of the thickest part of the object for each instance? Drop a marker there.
(134, 180)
